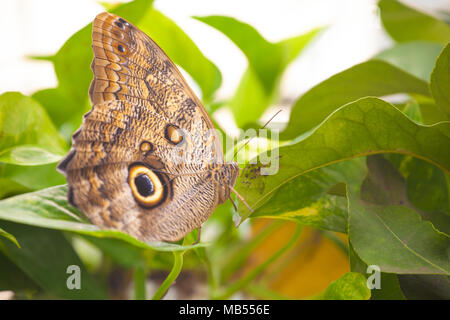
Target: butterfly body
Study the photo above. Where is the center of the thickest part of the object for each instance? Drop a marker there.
(146, 159)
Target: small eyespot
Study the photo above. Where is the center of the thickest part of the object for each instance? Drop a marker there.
(146, 147)
(124, 22)
(121, 48)
(174, 134)
(146, 186)
(119, 24)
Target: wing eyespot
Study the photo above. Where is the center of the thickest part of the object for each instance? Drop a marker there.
(173, 134)
(122, 49)
(146, 185)
(146, 147)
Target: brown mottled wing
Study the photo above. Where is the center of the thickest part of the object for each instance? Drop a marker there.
(137, 92)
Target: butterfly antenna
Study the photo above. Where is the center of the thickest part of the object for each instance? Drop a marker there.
(240, 198)
(250, 139)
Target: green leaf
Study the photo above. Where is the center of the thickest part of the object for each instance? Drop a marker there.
(261, 54)
(49, 208)
(380, 218)
(251, 94)
(425, 287)
(21, 284)
(19, 179)
(45, 256)
(9, 236)
(389, 283)
(371, 78)
(28, 136)
(309, 198)
(366, 126)
(440, 81)
(430, 112)
(65, 112)
(9, 187)
(351, 286)
(182, 51)
(406, 24)
(28, 155)
(415, 57)
(267, 62)
(427, 191)
(122, 252)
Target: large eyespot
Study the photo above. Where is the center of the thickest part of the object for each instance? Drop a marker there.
(146, 186)
(174, 134)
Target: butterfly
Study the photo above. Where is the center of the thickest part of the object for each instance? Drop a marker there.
(146, 159)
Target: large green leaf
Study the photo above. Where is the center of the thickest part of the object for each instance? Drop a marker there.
(49, 208)
(371, 78)
(28, 136)
(406, 24)
(440, 81)
(380, 217)
(351, 286)
(415, 57)
(182, 51)
(45, 256)
(366, 126)
(267, 62)
(313, 198)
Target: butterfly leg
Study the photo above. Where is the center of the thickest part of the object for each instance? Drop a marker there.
(198, 235)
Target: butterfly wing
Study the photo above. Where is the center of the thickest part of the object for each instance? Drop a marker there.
(127, 168)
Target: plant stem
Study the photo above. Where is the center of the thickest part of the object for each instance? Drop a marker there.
(176, 269)
(238, 285)
(140, 280)
(336, 240)
(237, 259)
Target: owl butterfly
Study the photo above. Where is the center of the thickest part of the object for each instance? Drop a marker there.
(145, 159)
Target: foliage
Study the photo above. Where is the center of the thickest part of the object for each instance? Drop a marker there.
(350, 163)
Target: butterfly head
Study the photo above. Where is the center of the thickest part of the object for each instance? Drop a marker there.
(226, 174)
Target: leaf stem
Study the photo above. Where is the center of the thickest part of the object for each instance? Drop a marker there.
(238, 258)
(140, 279)
(176, 269)
(239, 284)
